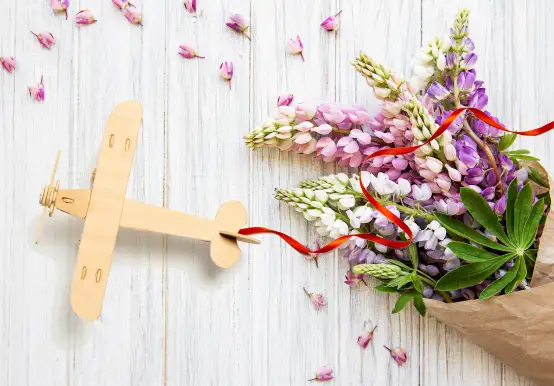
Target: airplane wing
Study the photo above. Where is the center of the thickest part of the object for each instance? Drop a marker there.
(104, 211)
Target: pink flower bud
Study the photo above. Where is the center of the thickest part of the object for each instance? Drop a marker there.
(190, 5)
(60, 6)
(398, 354)
(46, 39)
(284, 100)
(133, 15)
(296, 47)
(121, 4)
(352, 279)
(8, 62)
(188, 51)
(331, 23)
(226, 71)
(85, 17)
(323, 374)
(318, 300)
(366, 338)
(238, 23)
(37, 93)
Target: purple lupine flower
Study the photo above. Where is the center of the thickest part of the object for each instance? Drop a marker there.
(437, 91)
(466, 79)
(474, 176)
(451, 59)
(500, 206)
(467, 151)
(469, 61)
(468, 44)
(488, 193)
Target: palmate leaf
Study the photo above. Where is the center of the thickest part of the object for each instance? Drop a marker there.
(471, 274)
(521, 274)
(480, 210)
(471, 253)
(532, 224)
(418, 285)
(386, 289)
(510, 203)
(419, 304)
(402, 301)
(522, 209)
(461, 229)
(520, 155)
(498, 285)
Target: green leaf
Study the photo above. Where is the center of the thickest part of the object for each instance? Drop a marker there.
(470, 274)
(521, 157)
(419, 304)
(510, 203)
(538, 177)
(518, 151)
(469, 233)
(498, 285)
(480, 210)
(506, 141)
(402, 301)
(404, 280)
(522, 209)
(384, 288)
(521, 274)
(469, 252)
(532, 224)
(418, 284)
(414, 257)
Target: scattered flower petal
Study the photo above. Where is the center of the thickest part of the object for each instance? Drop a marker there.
(318, 300)
(60, 6)
(323, 374)
(365, 338)
(284, 100)
(133, 15)
(85, 17)
(351, 278)
(46, 39)
(190, 5)
(37, 93)
(239, 23)
(226, 71)
(8, 62)
(296, 47)
(121, 4)
(188, 51)
(331, 23)
(398, 354)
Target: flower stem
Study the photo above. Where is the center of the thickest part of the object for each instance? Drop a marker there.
(307, 293)
(409, 211)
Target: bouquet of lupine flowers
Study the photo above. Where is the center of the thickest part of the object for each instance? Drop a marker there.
(475, 207)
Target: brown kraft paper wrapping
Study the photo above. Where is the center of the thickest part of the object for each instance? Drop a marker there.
(517, 328)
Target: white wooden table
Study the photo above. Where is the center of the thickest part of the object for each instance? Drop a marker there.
(170, 316)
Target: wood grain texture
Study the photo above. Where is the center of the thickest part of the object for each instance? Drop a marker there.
(170, 316)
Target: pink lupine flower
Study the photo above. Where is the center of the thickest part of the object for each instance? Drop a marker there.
(238, 23)
(8, 63)
(226, 71)
(190, 5)
(37, 93)
(133, 15)
(323, 374)
(296, 47)
(318, 300)
(398, 354)
(284, 100)
(313, 256)
(188, 51)
(352, 279)
(366, 338)
(85, 17)
(60, 6)
(121, 4)
(331, 23)
(46, 39)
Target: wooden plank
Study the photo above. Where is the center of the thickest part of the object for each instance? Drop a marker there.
(115, 61)
(388, 31)
(107, 199)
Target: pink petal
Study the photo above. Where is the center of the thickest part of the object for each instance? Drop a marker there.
(303, 138)
(352, 147)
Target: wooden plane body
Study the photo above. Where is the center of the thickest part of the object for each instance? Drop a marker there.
(105, 209)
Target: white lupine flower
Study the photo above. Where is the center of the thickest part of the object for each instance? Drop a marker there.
(346, 201)
(403, 187)
(364, 213)
(354, 221)
(357, 241)
(429, 238)
(382, 184)
(421, 193)
(342, 178)
(338, 229)
(355, 181)
(433, 164)
(381, 248)
(454, 174)
(328, 216)
(308, 193)
(321, 196)
(430, 57)
(441, 62)
(321, 229)
(413, 227)
(287, 112)
(312, 214)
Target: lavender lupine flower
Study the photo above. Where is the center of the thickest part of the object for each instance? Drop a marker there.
(190, 6)
(37, 92)
(85, 17)
(239, 23)
(438, 91)
(60, 6)
(188, 51)
(296, 47)
(133, 15)
(284, 100)
(322, 375)
(331, 23)
(8, 62)
(226, 72)
(46, 39)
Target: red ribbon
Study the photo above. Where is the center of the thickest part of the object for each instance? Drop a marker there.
(378, 206)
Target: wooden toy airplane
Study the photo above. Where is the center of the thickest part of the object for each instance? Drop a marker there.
(105, 209)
